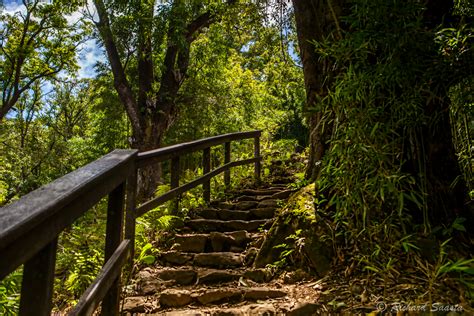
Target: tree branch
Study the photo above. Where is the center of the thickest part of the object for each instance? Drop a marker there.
(120, 80)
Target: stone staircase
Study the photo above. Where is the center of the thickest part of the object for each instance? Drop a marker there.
(208, 268)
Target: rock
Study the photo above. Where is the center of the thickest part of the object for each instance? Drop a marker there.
(220, 241)
(145, 274)
(245, 205)
(176, 257)
(218, 260)
(258, 275)
(250, 255)
(204, 225)
(269, 191)
(182, 277)
(216, 276)
(209, 213)
(225, 205)
(241, 237)
(245, 225)
(304, 309)
(149, 287)
(219, 295)
(236, 249)
(260, 310)
(262, 293)
(210, 225)
(268, 203)
(258, 241)
(261, 213)
(175, 298)
(295, 276)
(228, 312)
(183, 313)
(252, 198)
(247, 198)
(138, 304)
(282, 194)
(191, 242)
(233, 214)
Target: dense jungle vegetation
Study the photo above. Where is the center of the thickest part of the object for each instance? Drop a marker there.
(376, 96)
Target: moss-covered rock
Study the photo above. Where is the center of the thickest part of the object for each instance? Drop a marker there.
(298, 237)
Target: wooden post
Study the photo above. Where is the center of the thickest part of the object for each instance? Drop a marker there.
(206, 166)
(227, 160)
(257, 155)
(130, 214)
(115, 210)
(175, 181)
(37, 286)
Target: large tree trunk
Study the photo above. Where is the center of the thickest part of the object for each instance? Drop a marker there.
(315, 21)
(152, 112)
(446, 188)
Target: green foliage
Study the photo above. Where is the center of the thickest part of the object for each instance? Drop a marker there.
(9, 293)
(36, 45)
(144, 256)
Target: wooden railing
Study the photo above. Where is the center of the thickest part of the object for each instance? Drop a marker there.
(29, 227)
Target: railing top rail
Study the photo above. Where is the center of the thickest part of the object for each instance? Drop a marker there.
(165, 153)
(32, 209)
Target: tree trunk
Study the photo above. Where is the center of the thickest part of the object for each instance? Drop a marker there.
(152, 112)
(446, 189)
(315, 21)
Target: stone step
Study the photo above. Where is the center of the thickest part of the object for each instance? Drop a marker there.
(213, 259)
(258, 192)
(211, 213)
(212, 225)
(213, 242)
(271, 195)
(247, 205)
(253, 197)
(204, 296)
(141, 306)
(240, 206)
(152, 281)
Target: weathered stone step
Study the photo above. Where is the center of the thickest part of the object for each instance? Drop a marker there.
(212, 225)
(258, 192)
(234, 241)
(245, 310)
(257, 213)
(178, 298)
(240, 206)
(274, 195)
(153, 281)
(257, 198)
(213, 259)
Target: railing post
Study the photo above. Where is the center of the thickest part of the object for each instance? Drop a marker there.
(38, 282)
(115, 211)
(257, 155)
(227, 160)
(206, 166)
(130, 214)
(175, 181)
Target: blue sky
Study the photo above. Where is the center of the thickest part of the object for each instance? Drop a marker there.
(89, 52)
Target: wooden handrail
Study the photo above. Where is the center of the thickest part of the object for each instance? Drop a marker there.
(166, 153)
(29, 227)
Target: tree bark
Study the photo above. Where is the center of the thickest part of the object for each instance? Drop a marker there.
(152, 112)
(315, 21)
(447, 193)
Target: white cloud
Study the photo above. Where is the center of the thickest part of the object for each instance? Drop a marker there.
(90, 53)
(12, 7)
